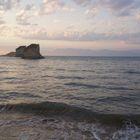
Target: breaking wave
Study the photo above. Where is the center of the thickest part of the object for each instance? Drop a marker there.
(64, 110)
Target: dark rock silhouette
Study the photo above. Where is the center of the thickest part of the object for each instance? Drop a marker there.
(11, 54)
(20, 51)
(32, 52)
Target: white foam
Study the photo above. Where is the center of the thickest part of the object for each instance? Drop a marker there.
(130, 132)
(67, 130)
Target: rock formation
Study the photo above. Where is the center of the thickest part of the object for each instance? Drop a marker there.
(20, 51)
(11, 54)
(30, 52)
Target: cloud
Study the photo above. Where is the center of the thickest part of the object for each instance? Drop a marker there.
(83, 2)
(24, 15)
(120, 7)
(8, 4)
(138, 17)
(2, 22)
(31, 33)
(51, 6)
(5, 30)
(92, 7)
(91, 12)
(42, 34)
(29, 7)
(132, 38)
(115, 7)
(69, 35)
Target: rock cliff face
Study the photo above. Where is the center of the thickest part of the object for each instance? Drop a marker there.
(32, 52)
(20, 51)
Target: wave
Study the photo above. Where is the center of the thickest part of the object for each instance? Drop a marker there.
(82, 85)
(4, 71)
(63, 77)
(88, 70)
(116, 99)
(64, 110)
(132, 72)
(17, 94)
(68, 70)
(10, 95)
(97, 86)
(75, 70)
(47, 76)
(61, 69)
(11, 78)
(70, 77)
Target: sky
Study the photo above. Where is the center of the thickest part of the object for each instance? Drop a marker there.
(62, 24)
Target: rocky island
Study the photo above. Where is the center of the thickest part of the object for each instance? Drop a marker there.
(27, 52)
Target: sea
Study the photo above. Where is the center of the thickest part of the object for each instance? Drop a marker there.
(70, 98)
